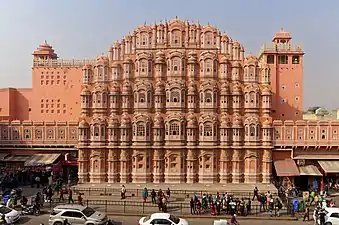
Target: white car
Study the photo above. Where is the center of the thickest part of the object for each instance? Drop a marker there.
(162, 219)
(332, 216)
(11, 215)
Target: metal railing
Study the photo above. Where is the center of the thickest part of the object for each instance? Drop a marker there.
(130, 207)
(176, 193)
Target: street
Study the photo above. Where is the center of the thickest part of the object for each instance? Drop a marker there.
(126, 220)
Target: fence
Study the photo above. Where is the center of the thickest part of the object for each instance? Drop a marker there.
(131, 207)
(138, 192)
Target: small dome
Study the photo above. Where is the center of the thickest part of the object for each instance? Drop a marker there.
(192, 89)
(192, 121)
(225, 88)
(44, 46)
(128, 60)
(160, 54)
(251, 87)
(224, 37)
(267, 122)
(158, 120)
(236, 44)
(191, 116)
(125, 119)
(266, 90)
(127, 87)
(225, 120)
(85, 91)
(159, 60)
(83, 124)
(159, 88)
(236, 64)
(101, 60)
(224, 59)
(236, 88)
(115, 64)
(115, 88)
(237, 121)
(87, 67)
(251, 59)
(192, 59)
(113, 120)
(192, 53)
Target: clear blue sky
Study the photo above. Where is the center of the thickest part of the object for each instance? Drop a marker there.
(86, 28)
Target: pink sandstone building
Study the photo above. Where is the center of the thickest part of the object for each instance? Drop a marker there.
(174, 102)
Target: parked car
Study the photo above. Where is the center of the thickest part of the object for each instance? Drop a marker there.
(11, 215)
(162, 218)
(332, 216)
(76, 214)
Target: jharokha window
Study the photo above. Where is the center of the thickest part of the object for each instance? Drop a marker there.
(174, 129)
(140, 130)
(208, 130)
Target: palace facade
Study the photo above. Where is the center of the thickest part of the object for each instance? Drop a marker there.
(172, 102)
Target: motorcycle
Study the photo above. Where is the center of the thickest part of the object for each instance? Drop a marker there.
(31, 210)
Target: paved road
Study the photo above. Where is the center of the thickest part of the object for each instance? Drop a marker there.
(134, 221)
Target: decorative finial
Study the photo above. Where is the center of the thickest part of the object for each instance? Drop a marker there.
(145, 23)
(45, 42)
(208, 23)
(176, 17)
(281, 29)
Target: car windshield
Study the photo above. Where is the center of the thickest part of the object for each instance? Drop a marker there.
(174, 219)
(88, 211)
(4, 210)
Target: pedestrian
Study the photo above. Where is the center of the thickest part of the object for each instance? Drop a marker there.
(61, 197)
(123, 192)
(153, 196)
(255, 193)
(192, 206)
(80, 200)
(145, 194)
(315, 216)
(306, 214)
(70, 196)
(168, 194)
(322, 217)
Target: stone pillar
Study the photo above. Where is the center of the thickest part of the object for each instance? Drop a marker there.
(191, 166)
(83, 166)
(124, 166)
(98, 166)
(113, 165)
(158, 166)
(225, 172)
(236, 160)
(267, 166)
(251, 175)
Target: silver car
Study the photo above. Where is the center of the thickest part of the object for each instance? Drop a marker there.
(76, 215)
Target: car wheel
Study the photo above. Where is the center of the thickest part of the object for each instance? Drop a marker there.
(90, 224)
(57, 223)
(328, 223)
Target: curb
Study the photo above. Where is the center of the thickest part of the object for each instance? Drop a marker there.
(188, 216)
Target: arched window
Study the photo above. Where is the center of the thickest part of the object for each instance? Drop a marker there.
(252, 98)
(96, 131)
(252, 130)
(140, 129)
(208, 97)
(174, 129)
(144, 39)
(208, 65)
(208, 129)
(175, 96)
(98, 95)
(142, 97)
(176, 64)
(143, 66)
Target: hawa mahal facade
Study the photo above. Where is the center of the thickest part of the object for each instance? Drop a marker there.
(173, 102)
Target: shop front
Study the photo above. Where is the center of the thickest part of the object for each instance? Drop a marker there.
(286, 170)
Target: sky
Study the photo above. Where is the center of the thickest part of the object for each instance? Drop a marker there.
(79, 29)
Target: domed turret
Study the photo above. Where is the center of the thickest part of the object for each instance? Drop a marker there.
(127, 60)
(125, 119)
(192, 121)
(192, 89)
(225, 120)
(267, 123)
(113, 121)
(225, 89)
(126, 88)
(266, 90)
(159, 88)
(101, 60)
(85, 91)
(224, 59)
(158, 120)
(236, 89)
(237, 121)
(115, 88)
(83, 124)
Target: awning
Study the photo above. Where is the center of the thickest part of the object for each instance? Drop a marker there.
(309, 170)
(42, 159)
(286, 168)
(17, 158)
(317, 156)
(330, 166)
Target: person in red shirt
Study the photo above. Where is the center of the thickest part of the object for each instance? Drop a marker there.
(234, 220)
